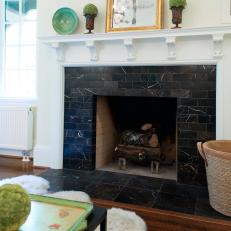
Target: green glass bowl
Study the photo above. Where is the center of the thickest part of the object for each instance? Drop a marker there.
(65, 21)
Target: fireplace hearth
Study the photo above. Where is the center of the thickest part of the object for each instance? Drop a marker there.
(193, 88)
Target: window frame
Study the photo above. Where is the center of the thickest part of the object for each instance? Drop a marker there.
(11, 99)
(2, 44)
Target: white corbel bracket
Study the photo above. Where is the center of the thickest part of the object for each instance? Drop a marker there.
(59, 48)
(92, 49)
(128, 43)
(218, 45)
(171, 44)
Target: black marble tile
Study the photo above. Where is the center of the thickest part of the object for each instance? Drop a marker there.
(203, 208)
(76, 174)
(197, 93)
(70, 184)
(139, 85)
(111, 84)
(175, 203)
(137, 196)
(58, 173)
(118, 77)
(56, 183)
(189, 102)
(103, 191)
(138, 190)
(182, 190)
(66, 182)
(143, 182)
(188, 172)
(154, 85)
(88, 175)
(194, 86)
(125, 85)
(115, 178)
(203, 192)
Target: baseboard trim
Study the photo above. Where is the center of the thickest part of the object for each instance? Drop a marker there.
(13, 157)
(40, 167)
(20, 158)
(10, 157)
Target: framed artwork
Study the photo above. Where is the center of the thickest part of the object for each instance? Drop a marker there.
(128, 15)
(226, 11)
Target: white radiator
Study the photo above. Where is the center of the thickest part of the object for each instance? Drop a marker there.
(16, 128)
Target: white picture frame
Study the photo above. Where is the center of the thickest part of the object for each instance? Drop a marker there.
(226, 11)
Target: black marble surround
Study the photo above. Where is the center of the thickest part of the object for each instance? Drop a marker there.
(193, 86)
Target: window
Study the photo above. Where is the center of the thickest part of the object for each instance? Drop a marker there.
(18, 48)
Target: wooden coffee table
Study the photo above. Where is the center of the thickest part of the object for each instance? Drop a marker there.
(98, 217)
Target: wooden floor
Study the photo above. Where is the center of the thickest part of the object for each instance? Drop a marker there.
(157, 220)
(11, 167)
(160, 220)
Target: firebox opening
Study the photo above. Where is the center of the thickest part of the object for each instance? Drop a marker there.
(137, 135)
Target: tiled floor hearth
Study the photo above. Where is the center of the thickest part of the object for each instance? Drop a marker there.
(138, 190)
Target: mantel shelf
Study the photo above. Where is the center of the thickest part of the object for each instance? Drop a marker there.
(169, 35)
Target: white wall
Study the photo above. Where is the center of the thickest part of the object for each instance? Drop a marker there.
(199, 13)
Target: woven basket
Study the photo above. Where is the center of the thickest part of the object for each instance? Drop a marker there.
(217, 157)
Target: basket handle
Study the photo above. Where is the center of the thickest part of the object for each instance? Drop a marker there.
(202, 152)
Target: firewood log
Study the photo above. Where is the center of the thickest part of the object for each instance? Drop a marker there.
(147, 139)
(154, 141)
(131, 151)
(146, 127)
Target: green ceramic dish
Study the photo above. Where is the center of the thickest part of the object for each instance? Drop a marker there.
(65, 21)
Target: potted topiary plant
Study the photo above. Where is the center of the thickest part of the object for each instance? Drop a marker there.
(177, 7)
(90, 11)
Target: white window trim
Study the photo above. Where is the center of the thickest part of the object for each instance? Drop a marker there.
(3, 99)
(2, 43)
(18, 102)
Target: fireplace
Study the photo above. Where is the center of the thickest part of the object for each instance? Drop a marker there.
(140, 132)
(192, 88)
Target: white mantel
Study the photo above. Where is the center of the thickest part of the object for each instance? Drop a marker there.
(199, 46)
(128, 39)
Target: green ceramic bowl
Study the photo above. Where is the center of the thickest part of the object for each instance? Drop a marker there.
(65, 21)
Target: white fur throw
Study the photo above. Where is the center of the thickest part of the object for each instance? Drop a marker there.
(117, 219)
(123, 220)
(32, 184)
(72, 195)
